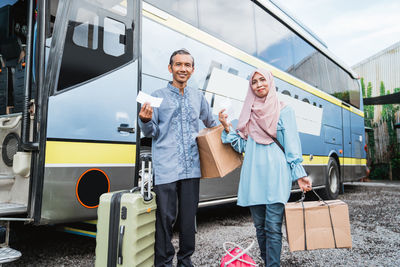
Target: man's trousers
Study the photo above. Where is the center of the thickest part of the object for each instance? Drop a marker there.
(184, 195)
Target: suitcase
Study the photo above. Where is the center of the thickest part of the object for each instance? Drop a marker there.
(126, 226)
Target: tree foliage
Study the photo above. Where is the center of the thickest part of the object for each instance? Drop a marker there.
(388, 115)
(369, 110)
(363, 87)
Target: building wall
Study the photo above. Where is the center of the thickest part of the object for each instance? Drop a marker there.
(383, 66)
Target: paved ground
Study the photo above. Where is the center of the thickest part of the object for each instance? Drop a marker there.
(374, 214)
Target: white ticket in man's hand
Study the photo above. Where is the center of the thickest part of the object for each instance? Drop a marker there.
(142, 98)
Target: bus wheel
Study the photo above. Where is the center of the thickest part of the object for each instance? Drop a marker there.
(332, 182)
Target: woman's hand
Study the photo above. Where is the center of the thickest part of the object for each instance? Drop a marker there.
(146, 112)
(222, 118)
(305, 184)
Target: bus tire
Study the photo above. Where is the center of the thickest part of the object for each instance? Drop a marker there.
(332, 181)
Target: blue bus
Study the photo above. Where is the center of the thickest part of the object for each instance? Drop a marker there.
(70, 71)
(228, 40)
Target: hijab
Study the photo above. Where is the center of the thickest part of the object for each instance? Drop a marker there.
(260, 116)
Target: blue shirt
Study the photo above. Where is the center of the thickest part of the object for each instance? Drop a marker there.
(174, 128)
(267, 173)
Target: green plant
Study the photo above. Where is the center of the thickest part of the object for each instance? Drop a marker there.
(395, 162)
(369, 110)
(369, 119)
(388, 116)
(362, 87)
(379, 172)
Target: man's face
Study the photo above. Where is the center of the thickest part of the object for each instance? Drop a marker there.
(182, 68)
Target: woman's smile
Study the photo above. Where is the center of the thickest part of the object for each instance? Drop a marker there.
(259, 85)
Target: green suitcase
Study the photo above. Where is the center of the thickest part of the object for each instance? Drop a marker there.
(126, 228)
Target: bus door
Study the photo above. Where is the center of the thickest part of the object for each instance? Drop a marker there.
(14, 174)
(346, 168)
(88, 132)
(358, 142)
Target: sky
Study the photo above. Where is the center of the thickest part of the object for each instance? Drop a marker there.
(352, 29)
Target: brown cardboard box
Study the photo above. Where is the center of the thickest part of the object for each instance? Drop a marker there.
(318, 225)
(216, 159)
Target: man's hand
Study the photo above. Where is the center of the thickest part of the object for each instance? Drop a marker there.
(305, 184)
(146, 112)
(222, 118)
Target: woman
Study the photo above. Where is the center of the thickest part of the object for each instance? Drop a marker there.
(267, 171)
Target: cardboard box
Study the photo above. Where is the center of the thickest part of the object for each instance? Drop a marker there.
(216, 159)
(318, 226)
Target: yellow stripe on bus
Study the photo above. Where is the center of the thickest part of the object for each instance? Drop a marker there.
(59, 152)
(323, 160)
(317, 160)
(352, 161)
(228, 49)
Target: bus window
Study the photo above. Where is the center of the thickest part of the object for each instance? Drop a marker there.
(325, 78)
(86, 33)
(113, 31)
(354, 92)
(306, 69)
(237, 17)
(304, 61)
(301, 50)
(337, 76)
(95, 43)
(344, 86)
(274, 40)
(185, 10)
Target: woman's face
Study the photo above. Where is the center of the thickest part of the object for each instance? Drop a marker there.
(259, 85)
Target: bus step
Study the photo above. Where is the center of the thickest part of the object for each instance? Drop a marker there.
(9, 208)
(9, 255)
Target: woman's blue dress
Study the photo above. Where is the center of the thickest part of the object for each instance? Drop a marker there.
(267, 173)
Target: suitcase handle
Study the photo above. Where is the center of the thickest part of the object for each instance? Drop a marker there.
(133, 190)
(120, 242)
(143, 175)
(147, 196)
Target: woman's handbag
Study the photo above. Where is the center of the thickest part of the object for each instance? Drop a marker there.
(237, 256)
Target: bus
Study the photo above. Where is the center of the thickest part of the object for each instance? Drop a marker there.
(70, 71)
(229, 39)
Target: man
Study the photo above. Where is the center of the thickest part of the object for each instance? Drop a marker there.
(173, 128)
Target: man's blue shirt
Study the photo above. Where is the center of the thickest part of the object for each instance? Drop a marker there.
(173, 129)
